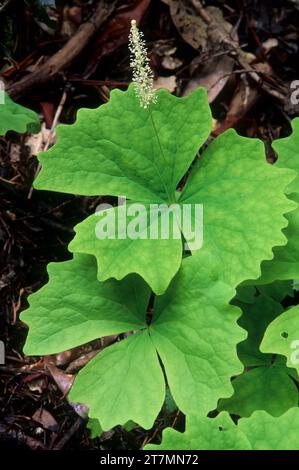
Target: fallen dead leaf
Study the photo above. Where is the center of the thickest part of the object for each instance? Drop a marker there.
(213, 76)
(211, 70)
(44, 417)
(270, 44)
(80, 362)
(63, 358)
(166, 82)
(188, 23)
(37, 385)
(63, 381)
(165, 49)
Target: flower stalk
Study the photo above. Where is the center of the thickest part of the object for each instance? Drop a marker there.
(143, 78)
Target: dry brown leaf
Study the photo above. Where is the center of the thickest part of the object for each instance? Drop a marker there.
(166, 82)
(63, 381)
(270, 44)
(213, 76)
(63, 358)
(44, 417)
(191, 26)
(217, 65)
(165, 50)
(37, 385)
(80, 362)
(188, 23)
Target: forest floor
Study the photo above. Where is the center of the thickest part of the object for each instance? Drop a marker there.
(245, 52)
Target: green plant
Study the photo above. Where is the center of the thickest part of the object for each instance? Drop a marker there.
(285, 264)
(260, 432)
(116, 150)
(206, 346)
(14, 117)
(240, 193)
(270, 353)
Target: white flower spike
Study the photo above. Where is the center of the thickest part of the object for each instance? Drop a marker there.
(142, 73)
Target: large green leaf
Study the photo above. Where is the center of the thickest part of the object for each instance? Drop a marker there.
(204, 433)
(14, 117)
(118, 257)
(259, 432)
(277, 290)
(288, 154)
(123, 149)
(285, 264)
(255, 319)
(245, 294)
(74, 307)
(268, 388)
(243, 201)
(282, 337)
(124, 382)
(195, 332)
(268, 433)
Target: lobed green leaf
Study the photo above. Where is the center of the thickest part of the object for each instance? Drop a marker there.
(14, 117)
(259, 432)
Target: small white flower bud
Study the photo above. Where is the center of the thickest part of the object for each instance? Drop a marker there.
(142, 73)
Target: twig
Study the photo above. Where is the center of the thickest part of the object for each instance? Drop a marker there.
(16, 371)
(109, 83)
(4, 5)
(55, 120)
(59, 61)
(9, 181)
(50, 136)
(67, 436)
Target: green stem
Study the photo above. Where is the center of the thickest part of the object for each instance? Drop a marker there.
(171, 196)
